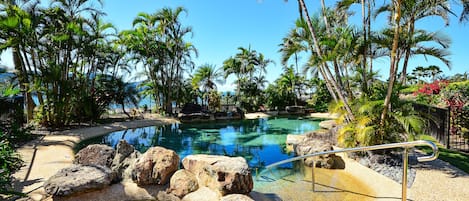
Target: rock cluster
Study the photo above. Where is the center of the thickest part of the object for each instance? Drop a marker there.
(227, 175)
(315, 142)
(155, 166)
(204, 177)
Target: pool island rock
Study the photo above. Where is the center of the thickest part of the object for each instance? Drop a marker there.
(313, 142)
(151, 175)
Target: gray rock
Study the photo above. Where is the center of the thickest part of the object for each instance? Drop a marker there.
(313, 145)
(294, 139)
(163, 196)
(390, 165)
(226, 175)
(155, 166)
(124, 160)
(78, 178)
(328, 124)
(183, 182)
(236, 197)
(202, 194)
(95, 154)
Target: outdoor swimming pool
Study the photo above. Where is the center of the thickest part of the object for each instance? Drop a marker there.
(259, 141)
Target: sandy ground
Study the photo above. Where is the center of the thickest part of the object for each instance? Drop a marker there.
(435, 181)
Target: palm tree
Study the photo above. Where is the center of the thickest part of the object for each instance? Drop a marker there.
(327, 75)
(288, 80)
(206, 77)
(157, 42)
(125, 93)
(413, 11)
(434, 71)
(244, 65)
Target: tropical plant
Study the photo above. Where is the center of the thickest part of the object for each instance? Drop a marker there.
(10, 162)
(248, 66)
(158, 43)
(404, 124)
(320, 98)
(205, 78)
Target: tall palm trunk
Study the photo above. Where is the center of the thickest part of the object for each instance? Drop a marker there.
(338, 78)
(326, 68)
(365, 50)
(369, 36)
(411, 30)
(394, 60)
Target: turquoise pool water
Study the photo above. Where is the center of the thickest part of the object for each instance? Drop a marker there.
(260, 141)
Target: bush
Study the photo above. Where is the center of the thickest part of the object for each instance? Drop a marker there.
(9, 163)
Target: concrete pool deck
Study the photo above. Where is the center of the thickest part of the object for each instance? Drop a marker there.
(43, 157)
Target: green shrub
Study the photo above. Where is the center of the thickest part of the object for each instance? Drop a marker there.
(9, 163)
(410, 89)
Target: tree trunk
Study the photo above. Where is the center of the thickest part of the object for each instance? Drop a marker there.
(407, 52)
(394, 60)
(123, 110)
(326, 68)
(365, 50)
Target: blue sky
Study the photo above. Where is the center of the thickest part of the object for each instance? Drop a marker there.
(221, 26)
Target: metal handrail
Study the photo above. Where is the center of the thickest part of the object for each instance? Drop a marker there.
(405, 157)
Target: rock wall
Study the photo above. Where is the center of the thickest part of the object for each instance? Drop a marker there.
(100, 172)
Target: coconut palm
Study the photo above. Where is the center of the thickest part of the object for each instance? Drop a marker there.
(245, 65)
(157, 42)
(333, 85)
(125, 93)
(413, 11)
(206, 77)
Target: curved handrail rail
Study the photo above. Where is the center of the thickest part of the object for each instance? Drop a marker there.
(369, 148)
(405, 157)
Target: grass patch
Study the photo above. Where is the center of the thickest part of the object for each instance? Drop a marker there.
(410, 89)
(455, 158)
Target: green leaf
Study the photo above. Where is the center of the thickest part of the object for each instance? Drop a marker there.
(11, 22)
(27, 23)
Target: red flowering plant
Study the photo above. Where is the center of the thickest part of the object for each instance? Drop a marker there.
(455, 96)
(427, 92)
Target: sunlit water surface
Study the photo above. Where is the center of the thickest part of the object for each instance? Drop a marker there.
(261, 142)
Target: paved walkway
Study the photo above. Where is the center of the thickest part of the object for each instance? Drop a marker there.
(435, 181)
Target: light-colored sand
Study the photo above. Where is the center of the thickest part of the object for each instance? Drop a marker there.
(439, 181)
(324, 115)
(45, 156)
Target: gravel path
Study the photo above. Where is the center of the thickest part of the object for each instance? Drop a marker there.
(439, 181)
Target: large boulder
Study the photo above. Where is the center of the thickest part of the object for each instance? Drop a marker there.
(95, 154)
(327, 124)
(312, 144)
(226, 175)
(182, 183)
(202, 194)
(155, 166)
(78, 178)
(164, 196)
(124, 160)
(293, 139)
